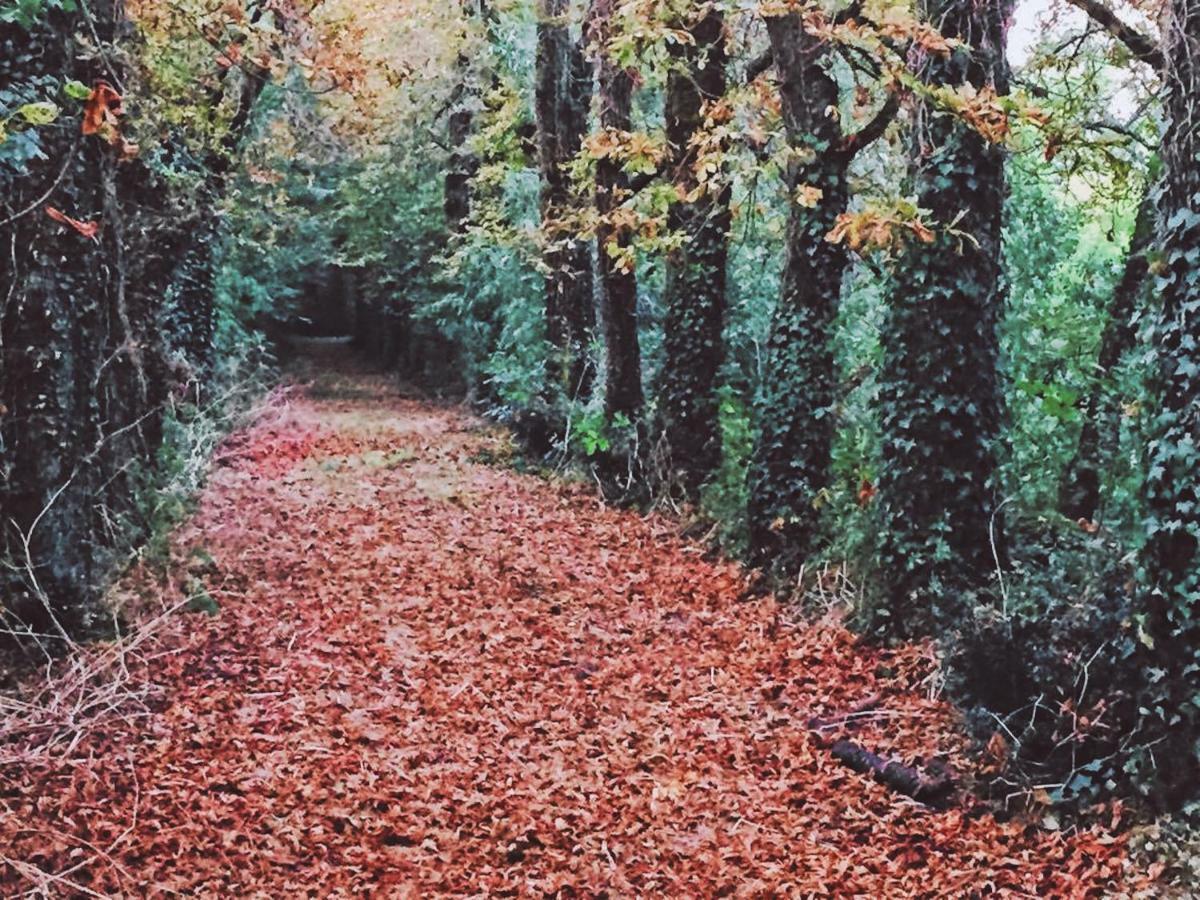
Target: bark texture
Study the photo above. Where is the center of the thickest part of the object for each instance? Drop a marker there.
(617, 282)
(1172, 552)
(940, 397)
(562, 101)
(696, 272)
(790, 467)
(81, 375)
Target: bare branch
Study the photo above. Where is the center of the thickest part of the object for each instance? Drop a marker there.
(1142, 46)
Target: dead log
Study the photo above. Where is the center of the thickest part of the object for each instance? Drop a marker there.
(932, 786)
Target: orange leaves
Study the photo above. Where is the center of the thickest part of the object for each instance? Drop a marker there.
(983, 110)
(101, 117)
(866, 493)
(884, 228)
(102, 110)
(89, 230)
(640, 152)
(230, 57)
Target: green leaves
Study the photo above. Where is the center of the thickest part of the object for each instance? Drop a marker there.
(38, 113)
(77, 90)
(31, 114)
(27, 13)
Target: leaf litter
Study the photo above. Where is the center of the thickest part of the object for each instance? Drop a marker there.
(431, 677)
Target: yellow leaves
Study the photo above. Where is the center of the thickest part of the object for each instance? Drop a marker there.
(39, 113)
(983, 110)
(624, 257)
(808, 196)
(642, 34)
(884, 228)
(638, 152)
(35, 114)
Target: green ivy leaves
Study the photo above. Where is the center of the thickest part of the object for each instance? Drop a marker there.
(26, 13)
(33, 114)
(77, 90)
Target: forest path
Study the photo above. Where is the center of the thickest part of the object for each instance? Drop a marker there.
(430, 676)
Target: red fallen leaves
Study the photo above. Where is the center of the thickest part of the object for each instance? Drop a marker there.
(270, 451)
(87, 229)
(434, 678)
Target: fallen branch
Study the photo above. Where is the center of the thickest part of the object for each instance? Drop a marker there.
(933, 786)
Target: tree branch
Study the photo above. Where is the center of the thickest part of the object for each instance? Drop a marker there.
(1142, 46)
(759, 65)
(766, 59)
(873, 130)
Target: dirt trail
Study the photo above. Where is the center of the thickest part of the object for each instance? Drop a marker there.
(430, 676)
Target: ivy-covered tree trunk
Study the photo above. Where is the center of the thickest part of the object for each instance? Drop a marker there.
(617, 280)
(80, 371)
(1079, 494)
(1172, 553)
(695, 290)
(789, 469)
(940, 400)
(563, 96)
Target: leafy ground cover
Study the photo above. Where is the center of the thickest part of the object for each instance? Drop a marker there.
(430, 676)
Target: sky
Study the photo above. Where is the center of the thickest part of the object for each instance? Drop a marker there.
(1026, 28)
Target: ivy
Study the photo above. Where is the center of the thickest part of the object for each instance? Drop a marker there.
(940, 404)
(1171, 559)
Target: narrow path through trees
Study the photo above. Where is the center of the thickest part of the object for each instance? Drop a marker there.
(429, 675)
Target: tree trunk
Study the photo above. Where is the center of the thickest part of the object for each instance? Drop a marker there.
(1172, 553)
(790, 467)
(940, 397)
(86, 331)
(1079, 494)
(463, 163)
(78, 370)
(461, 168)
(563, 95)
(695, 291)
(617, 280)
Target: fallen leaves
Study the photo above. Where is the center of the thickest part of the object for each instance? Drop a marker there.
(433, 678)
